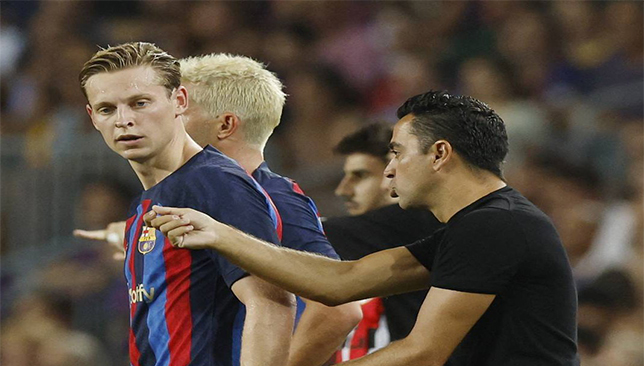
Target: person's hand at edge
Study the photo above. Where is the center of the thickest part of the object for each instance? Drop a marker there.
(113, 234)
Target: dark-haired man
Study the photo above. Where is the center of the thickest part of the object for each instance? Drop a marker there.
(376, 222)
(501, 288)
(366, 154)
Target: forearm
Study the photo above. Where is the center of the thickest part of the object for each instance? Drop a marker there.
(267, 333)
(311, 276)
(308, 275)
(321, 331)
(405, 352)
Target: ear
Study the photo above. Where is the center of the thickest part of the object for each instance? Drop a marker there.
(228, 125)
(181, 100)
(442, 152)
(90, 111)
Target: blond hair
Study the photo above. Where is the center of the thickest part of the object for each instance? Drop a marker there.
(133, 54)
(223, 83)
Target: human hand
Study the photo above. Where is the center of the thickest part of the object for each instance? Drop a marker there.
(185, 227)
(113, 234)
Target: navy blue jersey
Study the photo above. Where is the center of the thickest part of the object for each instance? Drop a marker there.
(182, 311)
(301, 226)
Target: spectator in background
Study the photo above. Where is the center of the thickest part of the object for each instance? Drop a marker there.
(376, 223)
(526, 124)
(320, 101)
(610, 321)
(85, 276)
(39, 333)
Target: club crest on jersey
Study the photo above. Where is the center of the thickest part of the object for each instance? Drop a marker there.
(147, 240)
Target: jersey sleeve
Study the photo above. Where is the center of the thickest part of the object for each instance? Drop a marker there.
(235, 200)
(302, 229)
(424, 250)
(480, 254)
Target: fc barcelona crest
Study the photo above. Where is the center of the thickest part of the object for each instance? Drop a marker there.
(147, 240)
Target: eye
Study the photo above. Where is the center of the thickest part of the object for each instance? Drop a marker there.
(141, 103)
(105, 110)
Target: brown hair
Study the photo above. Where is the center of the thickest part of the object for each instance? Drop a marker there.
(133, 54)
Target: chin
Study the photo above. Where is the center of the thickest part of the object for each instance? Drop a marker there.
(403, 205)
(406, 204)
(136, 156)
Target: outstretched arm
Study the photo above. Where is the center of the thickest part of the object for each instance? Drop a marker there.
(268, 323)
(321, 331)
(311, 276)
(113, 234)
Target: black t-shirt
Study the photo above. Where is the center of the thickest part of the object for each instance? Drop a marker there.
(354, 237)
(503, 245)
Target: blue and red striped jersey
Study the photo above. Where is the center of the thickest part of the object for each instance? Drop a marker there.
(182, 311)
(301, 226)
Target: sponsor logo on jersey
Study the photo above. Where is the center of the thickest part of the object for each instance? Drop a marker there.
(140, 294)
(147, 240)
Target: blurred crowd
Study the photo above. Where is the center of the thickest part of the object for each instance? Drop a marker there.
(566, 76)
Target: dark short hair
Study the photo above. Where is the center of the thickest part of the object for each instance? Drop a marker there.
(473, 129)
(133, 54)
(372, 139)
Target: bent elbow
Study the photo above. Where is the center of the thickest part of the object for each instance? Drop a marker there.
(351, 314)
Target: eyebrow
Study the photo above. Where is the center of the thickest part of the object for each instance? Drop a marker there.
(358, 171)
(394, 145)
(130, 99)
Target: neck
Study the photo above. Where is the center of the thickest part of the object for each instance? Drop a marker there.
(152, 171)
(461, 191)
(249, 157)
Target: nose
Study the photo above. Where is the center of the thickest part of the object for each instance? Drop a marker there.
(390, 169)
(124, 117)
(343, 189)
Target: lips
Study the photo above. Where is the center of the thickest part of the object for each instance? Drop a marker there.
(128, 138)
(392, 192)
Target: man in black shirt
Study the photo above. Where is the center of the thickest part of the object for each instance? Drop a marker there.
(501, 288)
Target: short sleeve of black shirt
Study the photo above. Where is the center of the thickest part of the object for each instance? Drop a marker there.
(477, 252)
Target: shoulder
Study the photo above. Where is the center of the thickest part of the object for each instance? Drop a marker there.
(483, 216)
(215, 169)
(283, 190)
(273, 182)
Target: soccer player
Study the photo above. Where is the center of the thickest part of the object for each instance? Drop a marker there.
(185, 306)
(500, 286)
(376, 223)
(235, 104)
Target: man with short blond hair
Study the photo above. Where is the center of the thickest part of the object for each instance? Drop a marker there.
(222, 83)
(236, 104)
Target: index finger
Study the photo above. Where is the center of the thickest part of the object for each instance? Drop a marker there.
(163, 210)
(91, 234)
